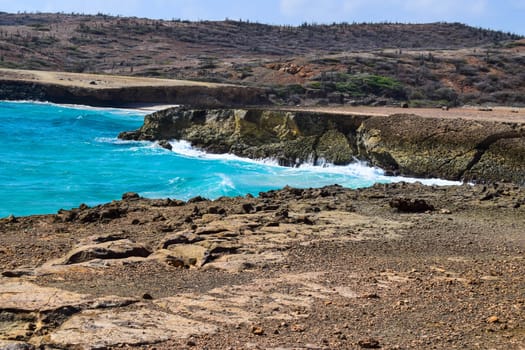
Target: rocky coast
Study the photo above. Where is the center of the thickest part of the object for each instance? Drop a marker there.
(401, 143)
(121, 91)
(396, 266)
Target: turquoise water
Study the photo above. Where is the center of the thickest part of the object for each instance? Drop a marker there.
(55, 157)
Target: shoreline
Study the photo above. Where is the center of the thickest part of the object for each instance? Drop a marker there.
(78, 89)
(326, 268)
(116, 91)
(326, 173)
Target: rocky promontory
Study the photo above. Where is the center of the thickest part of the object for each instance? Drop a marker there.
(122, 91)
(406, 144)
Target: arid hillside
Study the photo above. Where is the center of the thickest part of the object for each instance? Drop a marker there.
(425, 64)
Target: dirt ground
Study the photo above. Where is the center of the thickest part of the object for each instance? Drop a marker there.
(395, 266)
(93, 81)
(498, 114)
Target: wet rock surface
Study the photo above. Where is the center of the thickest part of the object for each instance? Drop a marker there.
(327, 268)
(456, 149)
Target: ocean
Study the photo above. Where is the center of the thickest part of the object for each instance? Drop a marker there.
(58, 157)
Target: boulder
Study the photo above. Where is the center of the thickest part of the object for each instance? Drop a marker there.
(406, 205)
(333, 147)
(184, 237)
(119, 249)
(165, 144)
(182, 255)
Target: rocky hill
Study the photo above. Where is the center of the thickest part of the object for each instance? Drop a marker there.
(425, 64)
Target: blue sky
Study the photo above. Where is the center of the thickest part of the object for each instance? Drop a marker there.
(506, 15)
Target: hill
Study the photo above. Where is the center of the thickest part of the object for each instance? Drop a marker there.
(437, 63)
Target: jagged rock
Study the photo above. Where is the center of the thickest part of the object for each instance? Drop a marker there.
(432, 147)
(128, 196)
(167, 257)
(503, 160)
(454, 149)
(187, 255)
(333, 147)
(197, 199)
(369, 343)
(184, 237)
(406, 205)
(119, 249)
(289, 137)
(18, 273)
(213, 228)
(165, 144)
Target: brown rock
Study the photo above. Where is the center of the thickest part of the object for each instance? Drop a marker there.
(493, 319)
(257, 330)
(406, 205)
(189, 254)
(119, 249)
(369, 343)
(297, 328)
(15, 345)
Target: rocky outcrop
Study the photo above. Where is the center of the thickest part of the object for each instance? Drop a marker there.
(292, 138)
(401, 144)
(202, 96)
(452, 149)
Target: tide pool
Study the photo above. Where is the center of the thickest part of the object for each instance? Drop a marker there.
(55, 157)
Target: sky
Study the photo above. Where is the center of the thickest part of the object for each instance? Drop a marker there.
(506, 15)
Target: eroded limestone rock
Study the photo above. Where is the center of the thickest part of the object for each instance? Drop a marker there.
(118, 249)
(453, 149)
(99, 329)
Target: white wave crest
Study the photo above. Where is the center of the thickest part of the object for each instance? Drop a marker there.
(226, 181)
(122, 111)
(184, 148)
(357, 169)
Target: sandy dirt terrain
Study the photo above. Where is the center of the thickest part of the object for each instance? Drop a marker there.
(94, 81)
(389, 267)
(499, 114)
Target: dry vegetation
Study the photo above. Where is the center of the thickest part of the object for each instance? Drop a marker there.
(427, 64)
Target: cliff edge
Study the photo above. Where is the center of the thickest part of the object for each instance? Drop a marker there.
(406, 144)
(122, 91)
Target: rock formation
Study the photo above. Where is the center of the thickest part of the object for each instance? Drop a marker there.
(402, 144)
(202, 96)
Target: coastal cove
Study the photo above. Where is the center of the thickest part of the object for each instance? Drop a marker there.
(61, 156)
